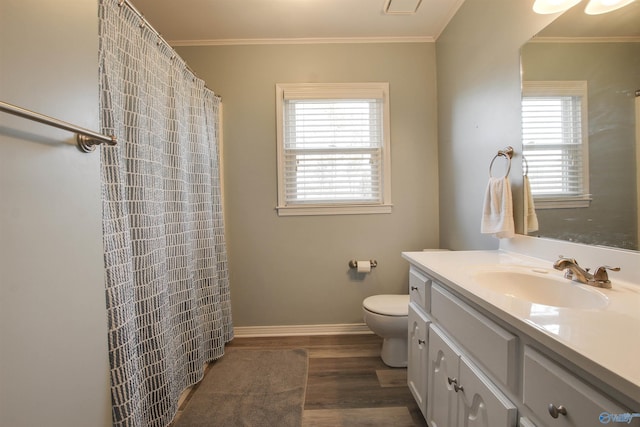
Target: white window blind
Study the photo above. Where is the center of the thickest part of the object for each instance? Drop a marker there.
(333, 148)
(555, 141)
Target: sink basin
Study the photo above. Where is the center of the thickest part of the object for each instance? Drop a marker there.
(540, 287)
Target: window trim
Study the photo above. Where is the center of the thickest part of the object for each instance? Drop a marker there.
(332, 91)
(560, 88)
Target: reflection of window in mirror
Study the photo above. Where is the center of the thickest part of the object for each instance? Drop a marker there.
(555, 142)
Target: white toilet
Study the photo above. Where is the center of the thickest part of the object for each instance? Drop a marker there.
(387, 317)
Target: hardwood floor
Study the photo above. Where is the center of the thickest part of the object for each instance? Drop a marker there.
(347, 384)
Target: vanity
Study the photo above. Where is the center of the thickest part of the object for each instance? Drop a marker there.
(499, 338)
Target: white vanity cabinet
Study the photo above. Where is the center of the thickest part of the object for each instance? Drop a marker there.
(469, 367)
(437, 367)
(459, 393)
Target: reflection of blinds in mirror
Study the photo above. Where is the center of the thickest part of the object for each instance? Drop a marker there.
(554, 141)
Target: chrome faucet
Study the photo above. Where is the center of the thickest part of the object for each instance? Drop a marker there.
(573, 271)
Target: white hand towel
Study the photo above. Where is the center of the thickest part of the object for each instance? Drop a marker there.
(530, 219)
(497, 216)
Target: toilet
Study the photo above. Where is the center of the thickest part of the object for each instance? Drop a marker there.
(387, 317)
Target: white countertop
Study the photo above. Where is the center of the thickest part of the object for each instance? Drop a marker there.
(604, 342)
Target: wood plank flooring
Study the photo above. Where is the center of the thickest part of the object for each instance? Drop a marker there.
(347, 384)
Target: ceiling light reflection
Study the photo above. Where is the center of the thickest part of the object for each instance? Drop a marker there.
(597, 7)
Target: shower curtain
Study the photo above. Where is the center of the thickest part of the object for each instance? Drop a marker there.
(167, 287)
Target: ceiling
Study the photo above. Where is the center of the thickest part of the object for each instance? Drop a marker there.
(200, 22)
(211, 22)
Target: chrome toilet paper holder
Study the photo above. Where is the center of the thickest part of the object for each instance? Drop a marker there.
(354, 263)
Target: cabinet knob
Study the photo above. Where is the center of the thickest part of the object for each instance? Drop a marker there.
(554, 410)
(414, 288)
(454, 382)
(421, 341)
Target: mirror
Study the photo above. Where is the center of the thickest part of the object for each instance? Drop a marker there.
(604, 51)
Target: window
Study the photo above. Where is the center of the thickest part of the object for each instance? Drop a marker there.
(555, 142)
(333, 148)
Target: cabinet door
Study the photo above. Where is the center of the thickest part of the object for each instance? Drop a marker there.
(442, 405)
(481, 403)
(417, 367)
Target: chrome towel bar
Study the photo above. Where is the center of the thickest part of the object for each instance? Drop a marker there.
(85, 138)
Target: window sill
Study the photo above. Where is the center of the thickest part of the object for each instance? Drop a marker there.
(562, 203)
(301, 210)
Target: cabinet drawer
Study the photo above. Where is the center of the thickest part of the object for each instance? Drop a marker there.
(490, 344)
(420, 289)
(546, 383)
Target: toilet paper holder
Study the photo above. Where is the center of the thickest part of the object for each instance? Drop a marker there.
(354, 263)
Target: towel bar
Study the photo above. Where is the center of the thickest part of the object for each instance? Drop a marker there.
(86, 139)
(507, 152)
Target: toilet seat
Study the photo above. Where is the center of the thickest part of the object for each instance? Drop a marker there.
(387, 305)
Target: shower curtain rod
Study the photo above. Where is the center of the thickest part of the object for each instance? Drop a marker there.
(144, 20)
(147, 24)
(85, 138)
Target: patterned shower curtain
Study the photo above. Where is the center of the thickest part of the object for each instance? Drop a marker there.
(165, 256)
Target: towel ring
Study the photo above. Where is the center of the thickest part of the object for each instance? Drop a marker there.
(525, 165)
(507, 153)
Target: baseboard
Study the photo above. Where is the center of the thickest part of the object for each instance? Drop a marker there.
(292, 330)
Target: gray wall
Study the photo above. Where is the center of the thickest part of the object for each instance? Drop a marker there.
(293, 270)
(612, 72)
(53, 348)
(478, 58)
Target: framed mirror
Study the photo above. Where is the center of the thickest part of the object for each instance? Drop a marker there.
(581, 127)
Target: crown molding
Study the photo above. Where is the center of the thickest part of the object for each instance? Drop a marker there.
(326, 40)
(621, 39)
